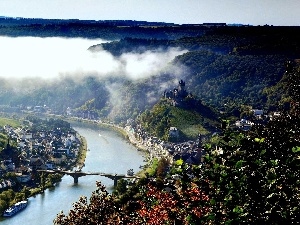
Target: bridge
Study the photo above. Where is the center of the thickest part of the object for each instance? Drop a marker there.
(78, 173)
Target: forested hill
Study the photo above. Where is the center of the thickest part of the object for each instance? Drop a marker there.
(266, 40)
(227, 65)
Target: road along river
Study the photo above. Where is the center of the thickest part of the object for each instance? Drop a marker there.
(108, 152)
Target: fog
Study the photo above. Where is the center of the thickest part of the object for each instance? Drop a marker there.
(48, 58)
(50, 71)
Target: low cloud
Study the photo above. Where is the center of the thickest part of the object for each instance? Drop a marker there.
(29, 64)
(48, 58)
(144, 65)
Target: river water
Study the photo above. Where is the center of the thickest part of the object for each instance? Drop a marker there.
(109, 153)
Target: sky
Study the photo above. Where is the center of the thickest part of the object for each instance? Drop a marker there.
(254, 12)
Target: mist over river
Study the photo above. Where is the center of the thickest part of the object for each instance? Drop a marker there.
(109, 153)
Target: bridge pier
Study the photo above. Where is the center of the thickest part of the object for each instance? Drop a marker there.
(115, 181)
(75, 179)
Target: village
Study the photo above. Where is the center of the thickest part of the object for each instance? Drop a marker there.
(42, 150)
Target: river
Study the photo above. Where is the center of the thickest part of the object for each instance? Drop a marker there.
(108, 152)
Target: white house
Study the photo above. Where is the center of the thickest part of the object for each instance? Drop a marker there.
(173, 132)
(258, 112)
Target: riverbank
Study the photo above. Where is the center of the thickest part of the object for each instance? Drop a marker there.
(128, 135)
(81, 153)
(150, 165)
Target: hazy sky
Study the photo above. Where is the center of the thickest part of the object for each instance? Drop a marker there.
(256, 12)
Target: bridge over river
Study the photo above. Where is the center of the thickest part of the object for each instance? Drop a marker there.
(78, 173)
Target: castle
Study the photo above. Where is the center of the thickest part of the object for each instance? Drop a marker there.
(177, 95)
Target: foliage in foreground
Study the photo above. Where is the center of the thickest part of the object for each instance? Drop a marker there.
(150, 204)
(255, 181)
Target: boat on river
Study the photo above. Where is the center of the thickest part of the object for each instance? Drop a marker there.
(15, 208)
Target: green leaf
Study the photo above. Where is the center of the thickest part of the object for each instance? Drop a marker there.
(179, 162)
(296, 149)
(212, 201)
(256, 139)
(274, 162)
(223, 174)
(263, 152)
(211, 217)
(208, 146)
(208, 158)
(237, 209)
(239, 164)
(260, 140)
(216, 166)
(259, 162)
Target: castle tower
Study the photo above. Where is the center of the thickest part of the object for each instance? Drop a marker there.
(181, 86)
(181, 89)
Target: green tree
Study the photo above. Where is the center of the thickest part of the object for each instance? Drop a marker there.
(162, 168)
(3, 205)
(256, 177)
(20, 196)
(121, 187)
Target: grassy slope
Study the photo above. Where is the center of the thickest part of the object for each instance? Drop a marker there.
(189, 122)
(7, 121)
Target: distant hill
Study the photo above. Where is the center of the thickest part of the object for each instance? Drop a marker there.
(103, 29)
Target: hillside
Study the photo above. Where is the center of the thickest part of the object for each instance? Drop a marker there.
(229, 65)
(190, 121)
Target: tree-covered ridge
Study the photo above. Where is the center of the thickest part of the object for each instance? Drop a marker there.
(234, 79)
(230, 65)
(247, 178)
(278, 92)
(47, 125)
(113, 30)
(225, 40)
(136, 45)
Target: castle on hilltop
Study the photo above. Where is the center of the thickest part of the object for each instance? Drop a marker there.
(177, 95)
